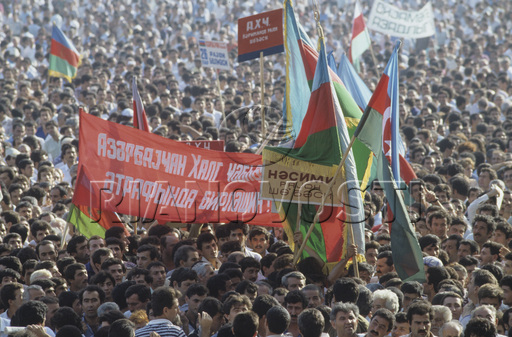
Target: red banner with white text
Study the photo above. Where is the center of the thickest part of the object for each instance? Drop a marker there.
(130, 171)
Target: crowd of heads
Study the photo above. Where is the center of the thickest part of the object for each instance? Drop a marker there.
(233, 279)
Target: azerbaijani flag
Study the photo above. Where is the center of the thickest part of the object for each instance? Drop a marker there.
(298, 90)
(91, 221)
(360, 37)
(140, 120)
(64, 58)
(377, 131)
(354, 84)
(362, 95)
(302, 55)
(322, 140)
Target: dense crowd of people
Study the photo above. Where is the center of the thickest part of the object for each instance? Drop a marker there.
(225, 280)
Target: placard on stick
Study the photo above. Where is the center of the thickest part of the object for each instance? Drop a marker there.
(214, 54)
(260, 33)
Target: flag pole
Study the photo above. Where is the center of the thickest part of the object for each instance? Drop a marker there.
(220, 97)
(375, 64)
(262, 89)
(271, 136)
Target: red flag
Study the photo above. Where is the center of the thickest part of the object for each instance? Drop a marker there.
(140, 120)
(360, 36)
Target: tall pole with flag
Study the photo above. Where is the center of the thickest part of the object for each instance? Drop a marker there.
(320, 146)
(360, 37)
(140, 120)
(379, 115)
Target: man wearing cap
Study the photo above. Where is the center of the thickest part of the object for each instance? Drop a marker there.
(10, 156)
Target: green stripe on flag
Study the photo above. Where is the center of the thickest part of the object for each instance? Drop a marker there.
(83, 224)
(62, 67)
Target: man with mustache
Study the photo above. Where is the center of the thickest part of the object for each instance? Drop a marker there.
(259, 239)
(295, 302)
(420, 316)
(381, 324)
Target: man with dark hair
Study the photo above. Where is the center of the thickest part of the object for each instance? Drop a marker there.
(478, 279)
(344, 319)
(420, 315)
(218, 285)
(478, 327)
(250, 268)
(277, 321)
(401, 326)
(157, 272)
(411, 290)
(181, 279)
(207, 245)
(11, 295)
(238, 231)
(429, 244)
(97, 258)
(77, 248)
(76, 276)
(314, 295)
(381, 324)
(262, 304)
(246, 324)
(122, 328)
(490, 253)
(165, 308)
(295, 302)
(212, 307)
(438, 223)
(434, 276)
(137, 297)
(468, 247)
(311, 323)
(145, 255)
(194, 296)
(186, 256)
(91, 298)
(30, 313)
(384, 263)
(345, 290)
(506, 286)
(483, 228)
(167, 244)
(46, 250)
(259, 238)
(116, 268)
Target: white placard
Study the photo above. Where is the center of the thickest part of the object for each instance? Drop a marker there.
(214, 54)
(388, 19)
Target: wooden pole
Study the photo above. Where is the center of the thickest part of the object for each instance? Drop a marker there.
(354, 259)
(324, 197)
(297, 229)
(262, 89)
(63, 241)
(271, 136)
(375, 64)
(220, 97)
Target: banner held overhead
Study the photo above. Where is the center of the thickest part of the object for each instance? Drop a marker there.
(388, 19)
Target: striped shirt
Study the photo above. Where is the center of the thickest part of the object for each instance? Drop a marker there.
(161, 326)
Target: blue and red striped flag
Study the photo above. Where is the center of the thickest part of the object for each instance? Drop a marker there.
(64, 58)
